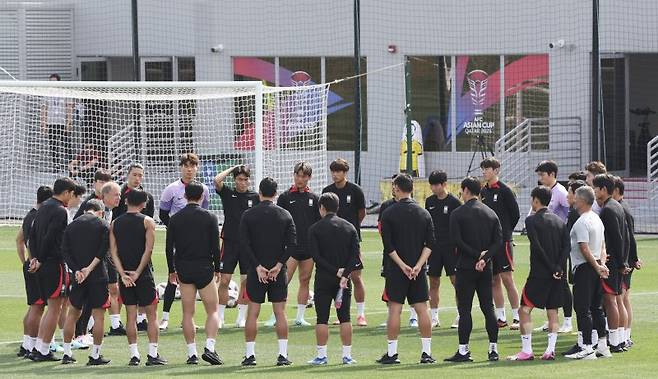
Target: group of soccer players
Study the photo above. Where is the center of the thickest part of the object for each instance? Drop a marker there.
(101, 259)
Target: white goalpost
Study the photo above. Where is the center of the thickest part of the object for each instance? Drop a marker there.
(53, 129)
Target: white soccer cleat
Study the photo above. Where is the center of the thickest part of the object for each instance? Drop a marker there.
(603, 353)
(565, 328)
(583, 354)
(220, 324)
(455, 324)
(164, 324)
(413, 323)
(543, 328)
(271, 322)
(240, 323)
(302, 322)
(436, 323)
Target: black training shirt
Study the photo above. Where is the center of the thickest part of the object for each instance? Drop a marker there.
(234, 204)
(632, 243)
(616, 234)
(502, 200)
(334, 244)
(351, 200)
(440, 210)
(267, 235)
(130, 235)
(45, 240)
(305, 211)
(475, 228)
(192, 239)
(122, 208)
(407, 229)
(549, 244)
(86, 238)
(27, 224)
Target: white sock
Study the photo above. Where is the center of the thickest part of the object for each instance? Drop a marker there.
(392, 347)
(191, 350)
(67, 349)
(90, 323)
(612, 335)
(413, 314)
(552, 340)
(141, 317)
(580, 339)
(567, 321)
(242, 312)
(360, 309)
(250, 349)
(427, 345)
(134, 351)
(621, 335)
(95, 351)
(153, 349)
(628, 334)
(115, 321)
(526, 343)
(347, 351)
(500, 313)
(26, 341)
(493, 346)
(322, 351)
(301, 308)
(587, 348)
(435, 313)
(210, 344)
(463, 349)
(43, 347)
(595, 336)
(220, 311)
(603, 343)
(31, 342)
(515, 314)
(165, 316)
(283, 348)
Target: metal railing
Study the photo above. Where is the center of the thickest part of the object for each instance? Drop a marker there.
(537, 139)
(121, 151)
(652, 168)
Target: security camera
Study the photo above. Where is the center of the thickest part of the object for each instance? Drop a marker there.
(217, 48)
(557, 44)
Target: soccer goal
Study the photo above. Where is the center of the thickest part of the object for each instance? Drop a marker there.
(54, 129)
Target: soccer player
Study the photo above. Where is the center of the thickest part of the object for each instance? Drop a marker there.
(267, 237)
(75, 201)
(353, 209)
(444, 257)
(334, 246)
(587, 241)
(35, 306)
(100, 178)
(499, 197)
(131, 244)
(193, 261)
(303, 206)
(173, 200)
(48, 263)
(234, 201)
(617, 247)
(134, 178)
(408, 236)
(84, 246)
(477, 233)
(547, 174)
(633, 261)
(549, 247)
(111, 196)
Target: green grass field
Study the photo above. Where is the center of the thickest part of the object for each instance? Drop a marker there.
(369, 342)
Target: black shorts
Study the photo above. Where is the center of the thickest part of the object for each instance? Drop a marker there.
(301, 256)
(112, 275)
(626, 280)
(142, 294)
(543, 293)
(612, 285)
(93, 294)
(230, 256)
(31, 286)
(398, 288)
(442, 259)
(324, 292)
(199, 275)
(277, 291)
(52, 280)
(504, 261)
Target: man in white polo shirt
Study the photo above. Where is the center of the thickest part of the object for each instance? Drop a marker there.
(586, 245)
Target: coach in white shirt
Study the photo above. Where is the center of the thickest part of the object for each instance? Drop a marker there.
(586, 256)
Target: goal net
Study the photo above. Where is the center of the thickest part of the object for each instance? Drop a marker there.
(54, 129)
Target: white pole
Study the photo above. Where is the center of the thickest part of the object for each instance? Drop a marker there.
(258, 134)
